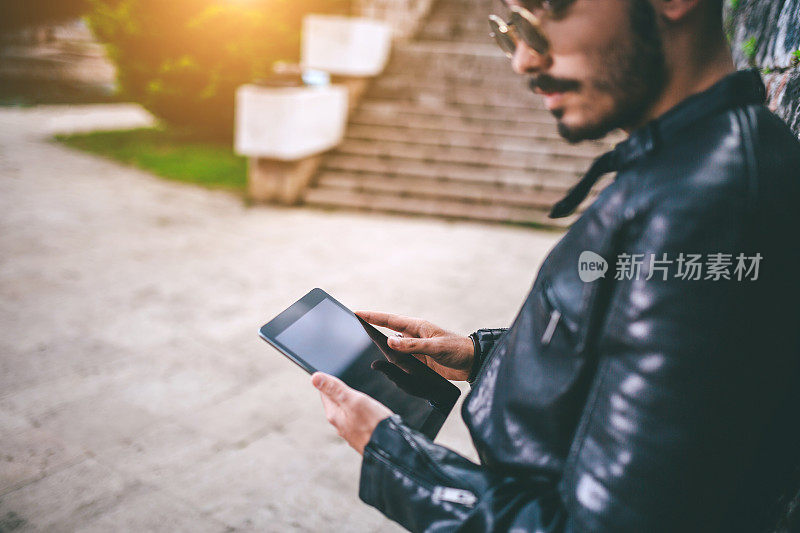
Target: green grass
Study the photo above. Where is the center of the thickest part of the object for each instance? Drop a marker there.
(170, 154)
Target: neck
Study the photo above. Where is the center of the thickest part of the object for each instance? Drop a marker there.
(692, 68)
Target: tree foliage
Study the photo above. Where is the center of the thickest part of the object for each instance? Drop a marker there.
(183, 59)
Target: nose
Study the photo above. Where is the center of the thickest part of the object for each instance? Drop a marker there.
(527, 61)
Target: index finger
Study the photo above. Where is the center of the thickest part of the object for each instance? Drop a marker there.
(403, 324)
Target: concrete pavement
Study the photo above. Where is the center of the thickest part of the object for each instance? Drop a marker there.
(135, 394)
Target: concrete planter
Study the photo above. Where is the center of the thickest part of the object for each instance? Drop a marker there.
(289, 123)
(345, 46)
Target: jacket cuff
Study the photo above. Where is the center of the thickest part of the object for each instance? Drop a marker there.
(372, 469)
(389, 458)
(483, 340)
(415, 482)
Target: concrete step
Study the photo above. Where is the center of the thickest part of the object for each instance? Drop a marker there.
(465, 113)
(467, 8)
(466, 11)
(478, 141)
(450, 58)
(484, 119)
(432, 47)
(481, 174)
(474, 22)
(457, 209)
(405, 186)
(446, 81)
(528, 160)
(479, 106)
(466, 20)
(444, 125)
(448, 78)
(457, 96)
(464, 35)
(411, 83)
(443, 28)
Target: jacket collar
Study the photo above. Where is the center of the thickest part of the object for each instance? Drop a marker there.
(734, 90)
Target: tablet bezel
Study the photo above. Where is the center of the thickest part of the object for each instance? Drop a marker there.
(289, 316)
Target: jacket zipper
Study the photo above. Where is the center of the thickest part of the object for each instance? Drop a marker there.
(555, 315)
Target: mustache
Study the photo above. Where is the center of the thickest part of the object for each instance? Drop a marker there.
(549, 84)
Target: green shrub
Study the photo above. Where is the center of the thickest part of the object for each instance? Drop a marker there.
(183, 59)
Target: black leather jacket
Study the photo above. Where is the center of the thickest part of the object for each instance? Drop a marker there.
(633, 404)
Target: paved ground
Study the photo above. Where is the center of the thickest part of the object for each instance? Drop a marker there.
(135, 394)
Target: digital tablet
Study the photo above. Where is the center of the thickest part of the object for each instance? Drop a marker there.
(319, 333)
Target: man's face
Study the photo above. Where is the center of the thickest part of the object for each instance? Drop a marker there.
(604, 69)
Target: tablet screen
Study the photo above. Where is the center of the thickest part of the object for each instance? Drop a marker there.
(319, 333)
(331, 341)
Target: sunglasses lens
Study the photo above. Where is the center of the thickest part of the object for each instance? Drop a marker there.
(529, 31)
(499, 31)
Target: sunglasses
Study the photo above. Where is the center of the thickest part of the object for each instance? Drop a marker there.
(524, 25)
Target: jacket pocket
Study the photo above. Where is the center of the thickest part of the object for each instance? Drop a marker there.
(557, 325)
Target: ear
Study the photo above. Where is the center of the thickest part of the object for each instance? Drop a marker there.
(675, 10)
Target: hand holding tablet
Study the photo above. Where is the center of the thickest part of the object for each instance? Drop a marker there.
(450, 355)
(320, 334)
(354, 414)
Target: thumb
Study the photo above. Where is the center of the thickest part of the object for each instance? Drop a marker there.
(331, 386)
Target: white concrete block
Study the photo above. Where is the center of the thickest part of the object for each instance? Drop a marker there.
(346, 46)
(289, 123)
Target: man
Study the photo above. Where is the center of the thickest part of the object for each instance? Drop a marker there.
(650, 379)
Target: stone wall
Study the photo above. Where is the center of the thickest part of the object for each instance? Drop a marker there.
(766, 34)
(404, 16)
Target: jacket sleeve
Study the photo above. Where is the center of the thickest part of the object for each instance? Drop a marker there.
(666, 427)
(427, 487)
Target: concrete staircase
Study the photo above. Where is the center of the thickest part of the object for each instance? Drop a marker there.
(449, 130)
(70, 56)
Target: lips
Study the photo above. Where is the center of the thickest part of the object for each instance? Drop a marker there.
(552, 100)
(552, 89)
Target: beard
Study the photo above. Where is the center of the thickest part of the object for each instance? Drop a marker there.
(633, 74)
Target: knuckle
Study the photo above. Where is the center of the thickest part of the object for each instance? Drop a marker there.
(331, 388)
(351, 400)
(341, 394)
